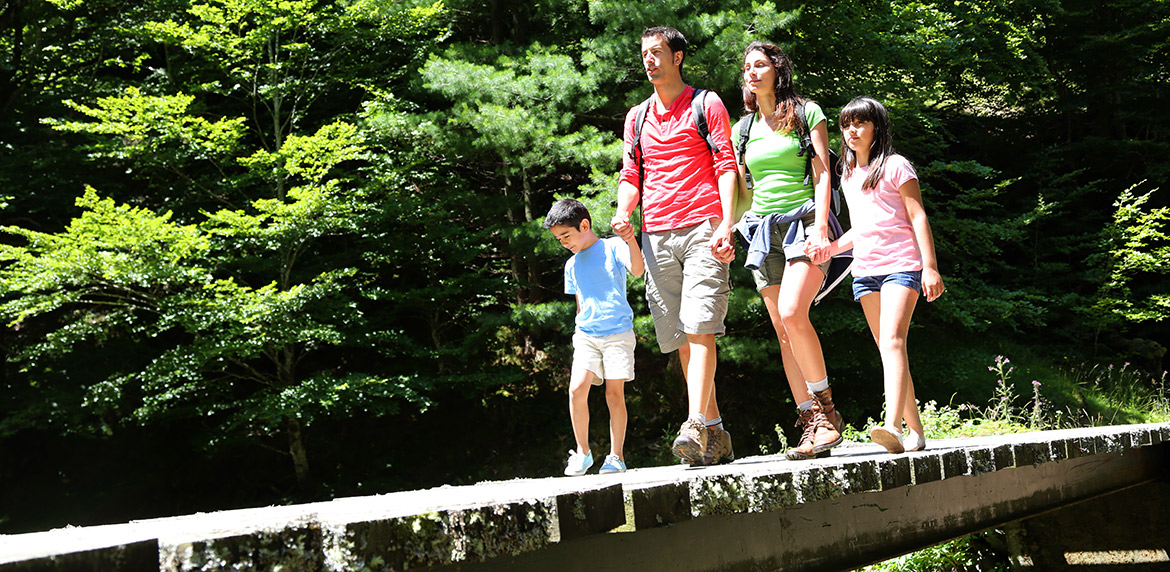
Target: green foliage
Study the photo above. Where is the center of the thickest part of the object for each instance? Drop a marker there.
(1138, 244)
(957, 555)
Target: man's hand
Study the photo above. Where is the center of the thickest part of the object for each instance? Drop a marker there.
(723, 243)
(622, 227)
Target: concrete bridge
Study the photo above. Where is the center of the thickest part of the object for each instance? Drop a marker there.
(1083, 499)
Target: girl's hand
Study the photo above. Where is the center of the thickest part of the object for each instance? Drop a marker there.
(818, 255)
(817, 242)
(932, 284)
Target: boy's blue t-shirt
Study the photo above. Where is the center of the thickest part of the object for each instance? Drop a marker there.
(598, 275)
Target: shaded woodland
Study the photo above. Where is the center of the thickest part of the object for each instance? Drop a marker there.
(258, 252)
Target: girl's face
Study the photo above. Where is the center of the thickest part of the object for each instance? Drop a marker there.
(858, 135)
(758, 74)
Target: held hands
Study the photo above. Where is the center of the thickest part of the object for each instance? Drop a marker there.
(818, 255)
(723, 243)
(817, 245)
(932, 284)
(622, 227)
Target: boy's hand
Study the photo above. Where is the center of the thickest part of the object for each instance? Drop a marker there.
(622, 227)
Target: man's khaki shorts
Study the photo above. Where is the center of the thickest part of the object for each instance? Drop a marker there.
(686, 287)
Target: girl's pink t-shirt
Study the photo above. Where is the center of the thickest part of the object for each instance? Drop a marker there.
(883, 238)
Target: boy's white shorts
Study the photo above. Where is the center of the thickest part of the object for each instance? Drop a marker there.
(608, 357)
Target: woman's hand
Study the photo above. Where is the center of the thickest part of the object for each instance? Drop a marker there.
(817, 243)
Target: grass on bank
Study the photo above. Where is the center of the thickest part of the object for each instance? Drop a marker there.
(1077, 396)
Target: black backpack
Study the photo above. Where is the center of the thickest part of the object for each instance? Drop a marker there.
(807, 150)
(698, 112)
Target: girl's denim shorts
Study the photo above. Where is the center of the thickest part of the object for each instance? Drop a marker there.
(863, 285)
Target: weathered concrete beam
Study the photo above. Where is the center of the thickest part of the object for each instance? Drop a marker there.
(865, 504)
(386, 532)
(849, 531)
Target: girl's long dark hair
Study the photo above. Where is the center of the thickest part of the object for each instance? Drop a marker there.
(867, 109)
(786, 98)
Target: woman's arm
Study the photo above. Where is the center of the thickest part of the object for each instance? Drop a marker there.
(822, 192)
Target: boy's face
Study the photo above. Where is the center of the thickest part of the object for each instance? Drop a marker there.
(571, 238)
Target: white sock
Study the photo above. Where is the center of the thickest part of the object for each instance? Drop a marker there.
(805, 405)
(816, 386)
(716, 422)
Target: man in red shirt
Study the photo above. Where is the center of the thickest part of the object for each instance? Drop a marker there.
(687, 195)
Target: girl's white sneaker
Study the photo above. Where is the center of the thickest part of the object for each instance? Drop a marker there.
(887, 437)
(914, 442)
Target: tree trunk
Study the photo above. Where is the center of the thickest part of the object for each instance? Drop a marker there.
(296, 449)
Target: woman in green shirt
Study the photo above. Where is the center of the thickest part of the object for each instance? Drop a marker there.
(789, 283)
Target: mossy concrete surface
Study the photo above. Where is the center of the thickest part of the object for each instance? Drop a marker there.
(497, 521)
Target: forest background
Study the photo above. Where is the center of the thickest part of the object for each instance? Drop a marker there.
(260, 251)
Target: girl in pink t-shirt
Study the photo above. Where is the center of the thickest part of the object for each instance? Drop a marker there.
(893, 253)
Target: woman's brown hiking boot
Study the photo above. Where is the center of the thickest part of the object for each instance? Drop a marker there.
(825, 400)
(818, 437)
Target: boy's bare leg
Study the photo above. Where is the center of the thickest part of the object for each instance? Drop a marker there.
(579, 385)
(615, 398)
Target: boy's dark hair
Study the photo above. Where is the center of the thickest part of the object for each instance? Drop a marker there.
(674, 39)
(567, 212)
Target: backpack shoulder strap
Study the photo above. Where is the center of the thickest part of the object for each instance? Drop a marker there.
(745, 131)
(636, 148)
(699, 112)
(804, 132)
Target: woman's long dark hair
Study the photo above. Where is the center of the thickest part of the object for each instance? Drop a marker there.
(786, 98)
(867, 109)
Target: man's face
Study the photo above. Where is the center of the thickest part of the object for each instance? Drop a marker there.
(660, 63)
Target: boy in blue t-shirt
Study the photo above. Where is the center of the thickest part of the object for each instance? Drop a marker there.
(603, 344)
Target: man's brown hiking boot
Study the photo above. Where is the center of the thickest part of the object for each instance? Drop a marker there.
(718, 447)
(825, 400)
(818, 437)
(691, 442)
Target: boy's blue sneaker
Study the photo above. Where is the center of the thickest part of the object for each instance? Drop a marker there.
(578, 463)
(612, 465)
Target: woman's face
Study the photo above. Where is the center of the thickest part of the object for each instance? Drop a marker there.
(758, 74)
(858, 135)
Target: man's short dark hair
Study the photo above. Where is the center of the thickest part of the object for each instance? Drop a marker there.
(674, 39)
(567, 212)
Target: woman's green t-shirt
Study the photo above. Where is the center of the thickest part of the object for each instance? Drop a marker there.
(777, 170)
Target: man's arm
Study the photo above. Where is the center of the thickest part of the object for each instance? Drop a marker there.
(727, 178)
(627, 200)
(627, 193)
